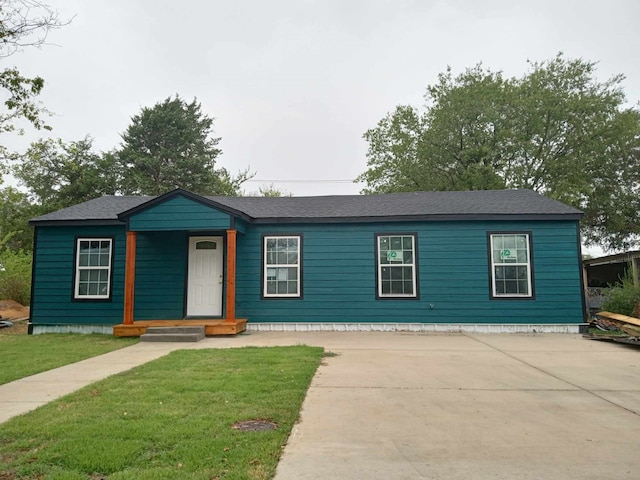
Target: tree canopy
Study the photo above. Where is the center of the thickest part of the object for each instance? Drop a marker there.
(170, 145)
(557, 130)
(23, 23)
(59, 174)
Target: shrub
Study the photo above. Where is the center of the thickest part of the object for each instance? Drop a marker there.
(622, 298)
(15, 276)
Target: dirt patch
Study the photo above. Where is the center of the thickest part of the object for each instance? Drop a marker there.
(16, 313)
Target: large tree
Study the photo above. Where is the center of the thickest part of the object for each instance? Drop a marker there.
(23, 23)
(557, 130)
(171, 145)
(59, 174)
(15, 212)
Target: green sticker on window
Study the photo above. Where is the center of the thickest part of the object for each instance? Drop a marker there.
(506, 254)
(392, 256)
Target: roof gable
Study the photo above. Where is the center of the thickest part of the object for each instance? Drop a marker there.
(179, 192)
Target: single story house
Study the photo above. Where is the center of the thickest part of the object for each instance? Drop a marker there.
(485, 261)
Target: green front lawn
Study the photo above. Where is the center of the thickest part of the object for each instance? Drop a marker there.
(168, 419)
(24, 355)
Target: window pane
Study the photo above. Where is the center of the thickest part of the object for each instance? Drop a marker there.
(509, 242)
(386, 287)
(407, 243)
(396, 243)
(94, 258)
(206, 245)
(104, 275)
(396, 287)
(523, 287)
(281, 258)
(82, 289)
(522, 273)
(396, 273)
(83, 259)
(93, 289)
(408, 287)
(408, 256)
(386, 273)
(407, 273)
(271, 287)
(281, 288)
(293, 287)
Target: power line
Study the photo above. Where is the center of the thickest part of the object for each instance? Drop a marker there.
(300, 181)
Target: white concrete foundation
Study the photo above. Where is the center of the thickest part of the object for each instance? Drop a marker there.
(105, 329)
(414, 327)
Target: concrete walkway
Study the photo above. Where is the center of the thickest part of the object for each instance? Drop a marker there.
(418, 406)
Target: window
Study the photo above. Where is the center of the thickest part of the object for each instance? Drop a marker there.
(396, 266)
(93, 268)
(511, 265)
(281, 266)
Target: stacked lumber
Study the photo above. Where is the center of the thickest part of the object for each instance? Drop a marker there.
(621, 328)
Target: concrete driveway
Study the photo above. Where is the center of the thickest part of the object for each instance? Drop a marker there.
(410, 406)
(398, 406)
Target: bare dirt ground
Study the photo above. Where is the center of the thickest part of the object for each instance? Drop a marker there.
(16, 313)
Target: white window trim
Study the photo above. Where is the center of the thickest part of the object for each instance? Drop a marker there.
(494, 292)
(265, 239)
(78, 268)
(412, 265)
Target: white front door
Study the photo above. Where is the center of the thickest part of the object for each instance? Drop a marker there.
(204, 288)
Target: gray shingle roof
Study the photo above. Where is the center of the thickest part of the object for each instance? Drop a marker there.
(428, 205)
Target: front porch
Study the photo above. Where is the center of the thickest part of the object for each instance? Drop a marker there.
(218, 326)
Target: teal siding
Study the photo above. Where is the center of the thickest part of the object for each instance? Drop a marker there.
(53, 281)
(161, 265)
(179, 213)
(338, 274)
(453, 266)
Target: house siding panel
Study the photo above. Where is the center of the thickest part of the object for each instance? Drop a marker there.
(160, 275)
(453, 275)
(179, 213)
(53, 278)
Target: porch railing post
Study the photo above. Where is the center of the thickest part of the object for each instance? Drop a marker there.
(129, 278)
(231, 275)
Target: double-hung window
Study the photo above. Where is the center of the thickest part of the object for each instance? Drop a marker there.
(396, 266)
(282, 266)
(93, 268)
(511, 275)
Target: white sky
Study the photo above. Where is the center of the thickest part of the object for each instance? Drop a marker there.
(293, 84)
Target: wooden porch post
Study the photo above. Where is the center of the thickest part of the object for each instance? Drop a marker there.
(129, 278)
(231, 275)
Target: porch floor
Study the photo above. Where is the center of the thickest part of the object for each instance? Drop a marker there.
(215, 326)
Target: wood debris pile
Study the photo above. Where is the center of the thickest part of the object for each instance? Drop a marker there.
(616, 327)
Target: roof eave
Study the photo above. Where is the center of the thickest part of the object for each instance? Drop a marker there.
(424, 218)
(67, 223)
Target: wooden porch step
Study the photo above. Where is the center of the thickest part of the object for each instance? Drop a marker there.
(173, 334)
(212, 326)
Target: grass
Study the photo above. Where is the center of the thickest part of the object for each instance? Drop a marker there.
(167, 419)
(24, 355)
(608, 333)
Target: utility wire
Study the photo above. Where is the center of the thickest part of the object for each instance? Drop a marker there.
(300, 181)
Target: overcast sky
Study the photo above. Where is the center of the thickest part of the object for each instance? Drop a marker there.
(294, 84)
